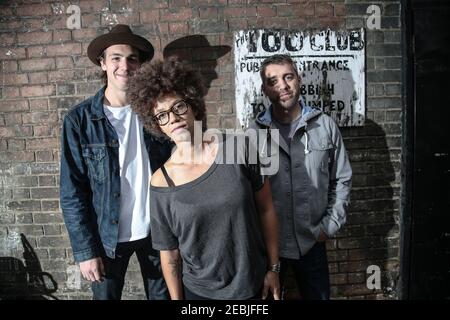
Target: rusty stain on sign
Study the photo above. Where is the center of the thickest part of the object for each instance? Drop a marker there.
(331, 65)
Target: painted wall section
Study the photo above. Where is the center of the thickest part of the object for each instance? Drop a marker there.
(331, 65)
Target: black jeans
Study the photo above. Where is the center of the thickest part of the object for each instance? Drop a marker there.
(311, 273)
(150, 264)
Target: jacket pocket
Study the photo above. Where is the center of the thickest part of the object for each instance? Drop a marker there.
(94, 156)
(319, 155)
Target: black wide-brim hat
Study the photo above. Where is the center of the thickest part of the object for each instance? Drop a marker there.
(119, 34)
(194, 47)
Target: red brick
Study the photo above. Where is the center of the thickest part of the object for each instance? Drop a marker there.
(13, 105)
(38, 77)
(16, 144)
(178, 28)
(39, 117)
(44, 156)
(339, 278)
(38, 104)
(15, 79)
(118, 5)
(61, 75)
(272, 22)
(34, 10)
(208, 13)
(236, 12)
(84, 34)
(303, 9)
(208, 2)
(62, 35)
(12, 53)
(34, 24)
(356, 289)
(92, 20)
(178, 3)
(44, 193)
(3, 145)
(8, 66)
(7, 132)
(64, 63)
(88, 6)
(63, 49)
(237, 24)
(36, 52)
(154, 4)
(44, 131)
(16, 156)
(6, 11)
(324, 9)
(12, 118)
(7, 39)
(149, 16)
(12, 25)
(285, 10)
(46, 181)
(34, 37)
(10, 92)
(82, 62)
(130, 18)
(328, 22)
(184, 14)
(42, 143)
(37, 64)
(163, 27)
(213, 121)
(298, 23)
(266, 11)
(339, 9)
(36, 91)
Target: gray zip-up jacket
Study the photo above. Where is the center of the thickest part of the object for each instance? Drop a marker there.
(311, 190)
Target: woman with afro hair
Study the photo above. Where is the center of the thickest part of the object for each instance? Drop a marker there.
(212, 220)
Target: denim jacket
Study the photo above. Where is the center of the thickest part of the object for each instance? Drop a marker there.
(90, 181)
(311, 190)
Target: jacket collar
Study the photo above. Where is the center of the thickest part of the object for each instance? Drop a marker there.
(97, 105)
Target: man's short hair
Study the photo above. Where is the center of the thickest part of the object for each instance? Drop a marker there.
(277, 59)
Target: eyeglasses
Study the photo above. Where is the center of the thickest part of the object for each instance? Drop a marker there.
(179, 108)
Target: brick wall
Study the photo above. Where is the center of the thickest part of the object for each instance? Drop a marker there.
(44, 71)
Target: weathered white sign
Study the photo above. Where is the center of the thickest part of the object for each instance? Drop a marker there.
(331, 65)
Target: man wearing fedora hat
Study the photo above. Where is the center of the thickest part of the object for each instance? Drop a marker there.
(106, 163)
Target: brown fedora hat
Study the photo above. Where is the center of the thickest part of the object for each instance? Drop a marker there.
(119, 34)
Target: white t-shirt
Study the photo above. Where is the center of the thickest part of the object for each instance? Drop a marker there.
(135, 173)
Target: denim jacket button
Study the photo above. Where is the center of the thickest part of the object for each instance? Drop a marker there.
(114, 221)
(116, 194)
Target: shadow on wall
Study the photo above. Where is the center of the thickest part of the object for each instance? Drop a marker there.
(197, 51)
(20, 281)
(371, 235)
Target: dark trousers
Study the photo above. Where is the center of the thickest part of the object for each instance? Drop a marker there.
(111, 287)
(311, 273)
